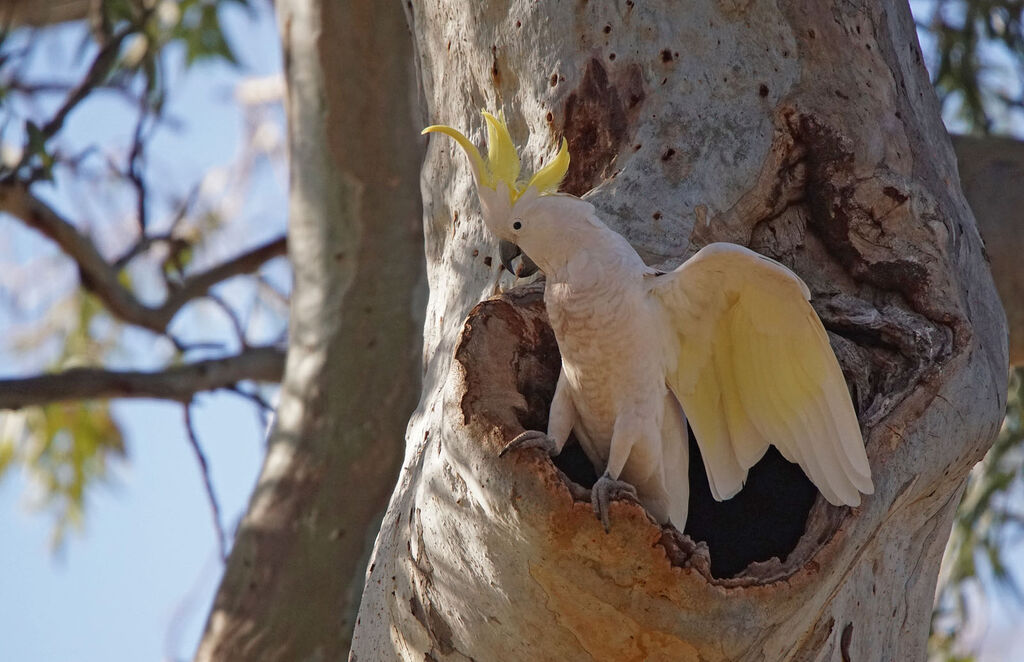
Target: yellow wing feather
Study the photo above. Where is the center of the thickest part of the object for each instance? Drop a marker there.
(751, 365)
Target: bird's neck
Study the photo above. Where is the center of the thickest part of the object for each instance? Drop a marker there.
(578, 248)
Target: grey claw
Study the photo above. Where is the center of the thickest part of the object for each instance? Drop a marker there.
(604, 490)
(531, 439)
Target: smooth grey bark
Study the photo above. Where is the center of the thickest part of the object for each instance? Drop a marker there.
(992, 177)
(291, 587)
(808, 131)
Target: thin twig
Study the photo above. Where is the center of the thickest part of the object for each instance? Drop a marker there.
(198, 284)
(140, 247)
(185, 347)
(96, 274)
(176, 243)
(236, 323)
(136, 163)
(102, 64)
(265, 286)
(252, 396)
(204, 469)
(264, 410)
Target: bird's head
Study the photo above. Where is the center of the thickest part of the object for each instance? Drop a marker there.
(507, 202)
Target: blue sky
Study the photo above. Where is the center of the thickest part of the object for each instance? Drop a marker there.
(137, 583)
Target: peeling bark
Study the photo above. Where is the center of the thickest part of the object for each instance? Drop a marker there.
(807, 131)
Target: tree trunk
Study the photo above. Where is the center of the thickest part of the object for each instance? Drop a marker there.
(808, 132)
(292, 583)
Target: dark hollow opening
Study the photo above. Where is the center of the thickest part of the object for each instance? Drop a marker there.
(765, 520)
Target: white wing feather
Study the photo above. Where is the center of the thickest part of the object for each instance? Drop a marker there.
(751, 365)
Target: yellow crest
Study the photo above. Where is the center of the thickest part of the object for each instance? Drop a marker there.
(502, 163)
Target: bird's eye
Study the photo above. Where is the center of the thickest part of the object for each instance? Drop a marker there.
(517, 225)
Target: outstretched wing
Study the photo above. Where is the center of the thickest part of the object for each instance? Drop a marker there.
(751, 365)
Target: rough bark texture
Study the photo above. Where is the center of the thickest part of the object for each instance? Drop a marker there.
(807, 131)
(291, 588)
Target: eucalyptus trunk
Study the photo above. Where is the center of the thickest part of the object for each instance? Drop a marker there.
(293, 581)
(807, 131)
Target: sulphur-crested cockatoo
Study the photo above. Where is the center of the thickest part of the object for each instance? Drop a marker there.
(729, 338)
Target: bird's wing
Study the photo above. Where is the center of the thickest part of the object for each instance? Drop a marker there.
(751, 364)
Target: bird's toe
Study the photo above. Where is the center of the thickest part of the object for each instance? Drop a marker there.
(601, 494)
(531, 439)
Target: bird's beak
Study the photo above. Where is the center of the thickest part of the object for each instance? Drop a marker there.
(508, 251)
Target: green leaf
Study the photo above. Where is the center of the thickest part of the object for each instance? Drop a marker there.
(66, 449)
(6, 455)
(201, 32)
(36, 154)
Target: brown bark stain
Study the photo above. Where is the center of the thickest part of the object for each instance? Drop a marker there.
(438, 629)
(814, 642)
(844, 642)
(597, 120)
(734, 9)
(605, 633)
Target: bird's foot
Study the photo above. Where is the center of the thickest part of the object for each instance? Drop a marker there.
(531, 439)
(604, 490)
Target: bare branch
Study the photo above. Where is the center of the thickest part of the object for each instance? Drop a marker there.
(97, 276)
(135, 166)
(34, 13)
(102, 65)
(236, 322)
(100, 278)
(178, 383)
(204, 469)
(143, 245)
(199, 284)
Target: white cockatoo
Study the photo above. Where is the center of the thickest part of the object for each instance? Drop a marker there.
(728, 341)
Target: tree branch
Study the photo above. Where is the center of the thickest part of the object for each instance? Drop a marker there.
(991, 172)
(97, 276)
(101, 66)
(198, 284)
(100, 278)
(38, 14)
(178, 383)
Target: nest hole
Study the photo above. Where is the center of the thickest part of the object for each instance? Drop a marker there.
(765, 520)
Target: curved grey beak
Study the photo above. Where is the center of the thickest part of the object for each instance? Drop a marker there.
(508, 251)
